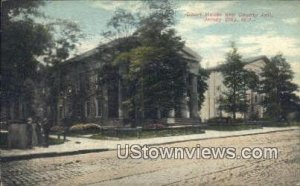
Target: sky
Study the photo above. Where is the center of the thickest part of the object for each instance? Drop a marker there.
(207, 27)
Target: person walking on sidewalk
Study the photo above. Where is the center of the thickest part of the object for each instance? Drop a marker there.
(46, 130)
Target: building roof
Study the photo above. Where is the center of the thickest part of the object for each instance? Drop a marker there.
(94, 51)
(187, 52)
(190, 54)
(245, 61)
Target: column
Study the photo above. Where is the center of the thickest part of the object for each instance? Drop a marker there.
(96, 107)
(21, 114)
(158, 113)
(171, 116)
(194, 97)
(120, 105)
(122, 110)
(184, 109)
(105, 102)
(12, 110)
(172, 113)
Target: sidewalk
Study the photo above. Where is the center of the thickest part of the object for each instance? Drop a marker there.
(77, 145)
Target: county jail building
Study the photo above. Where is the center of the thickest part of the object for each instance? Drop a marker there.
(210, 108)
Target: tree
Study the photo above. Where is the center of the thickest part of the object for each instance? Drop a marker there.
(279, 90)
(25, 80)
(66, 37)
(120, 29)
(121, 25)
(23, 40)
(149, 62)
(155, 67)
(250, 83)
(202, 86)
(237, 81)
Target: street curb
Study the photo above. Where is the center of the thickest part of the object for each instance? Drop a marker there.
(85, 151)
(49, 154)
(218, 137)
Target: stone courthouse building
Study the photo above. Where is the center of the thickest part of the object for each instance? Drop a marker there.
(79, 95)
(83, 98)
(210, 108)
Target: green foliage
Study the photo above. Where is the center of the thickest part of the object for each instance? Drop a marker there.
(55, 141)
(237, 81)
(235, 127)
(122, 24)
(67, 35)
(84, 128)
(147, 133)
(24, 42)
(160, 18)
(233, 80)
(279, 89)
(3, 139)
(202, 85)
(153, 71)
(154, 74)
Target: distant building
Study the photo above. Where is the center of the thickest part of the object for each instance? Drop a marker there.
(210, 108)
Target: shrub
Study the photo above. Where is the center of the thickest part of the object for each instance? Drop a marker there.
(238, 120)
(294, 116)
(57, 128)
(219, 120)
(85, 128)
(155, 126)
(3, 138)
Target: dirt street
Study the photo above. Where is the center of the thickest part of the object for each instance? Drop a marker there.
(106, 169)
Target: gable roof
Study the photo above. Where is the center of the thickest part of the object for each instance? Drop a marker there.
(245, 61)
(186, 52)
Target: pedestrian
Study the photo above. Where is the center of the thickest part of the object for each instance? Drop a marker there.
(29, 132)
(46, 130)
(39, 132)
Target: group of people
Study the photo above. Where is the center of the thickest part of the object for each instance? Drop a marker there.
(39, 131)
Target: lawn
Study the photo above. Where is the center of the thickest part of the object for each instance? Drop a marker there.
(227, 127)
(237, 127)
(150, 134)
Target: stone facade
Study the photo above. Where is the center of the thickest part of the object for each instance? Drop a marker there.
(83, 98)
